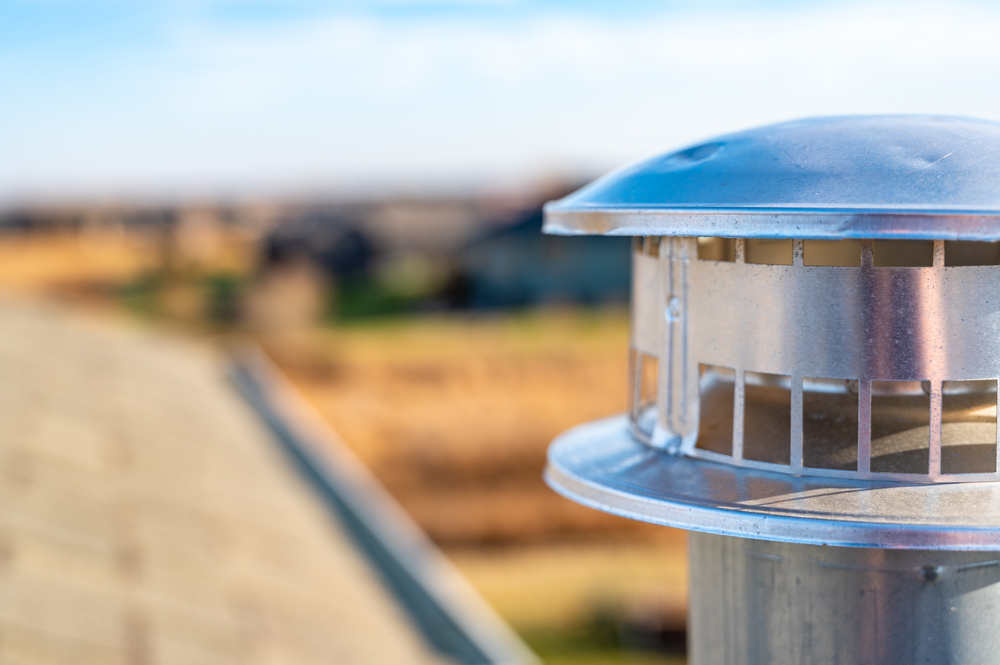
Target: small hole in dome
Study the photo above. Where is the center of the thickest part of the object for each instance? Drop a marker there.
(717, 388)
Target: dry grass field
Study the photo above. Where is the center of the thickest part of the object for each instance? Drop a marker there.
(66, 261)
(453, 412)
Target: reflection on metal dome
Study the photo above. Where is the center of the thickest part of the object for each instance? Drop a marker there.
(843, 177)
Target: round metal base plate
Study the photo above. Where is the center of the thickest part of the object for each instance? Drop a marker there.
(602, 466)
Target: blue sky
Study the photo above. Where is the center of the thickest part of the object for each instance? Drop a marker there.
(228, 97)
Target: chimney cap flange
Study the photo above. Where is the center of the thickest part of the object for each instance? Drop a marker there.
(603, 466)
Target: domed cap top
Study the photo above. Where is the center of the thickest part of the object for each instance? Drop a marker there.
(841, 177)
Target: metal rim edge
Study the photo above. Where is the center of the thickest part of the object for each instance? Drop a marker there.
(745, 523)
(755, 223)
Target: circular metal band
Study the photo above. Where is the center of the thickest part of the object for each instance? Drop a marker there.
(601, 465)
(564, 219)
(866, 325)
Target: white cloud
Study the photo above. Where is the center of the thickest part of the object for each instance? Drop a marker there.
(355, 98)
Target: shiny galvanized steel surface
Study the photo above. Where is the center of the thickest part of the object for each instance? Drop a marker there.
(842, 177)
(898, 324)
(603, 466)
(761, 603)
(935, 324)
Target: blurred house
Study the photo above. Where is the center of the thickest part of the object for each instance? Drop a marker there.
(518, 266)
(335, 241)
(413, 255)
(288, 266)
(357, 259)
(303, 260)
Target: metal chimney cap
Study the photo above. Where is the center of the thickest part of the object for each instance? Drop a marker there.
(920, 177)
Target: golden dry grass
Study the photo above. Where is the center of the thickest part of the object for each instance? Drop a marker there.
(87, 266)
(455, 413)
(45, 262)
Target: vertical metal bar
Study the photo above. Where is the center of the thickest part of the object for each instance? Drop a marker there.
(864, 424)
(934, 454)
(740, 256)
(796, 455)
(939, 253)
(739, 391)
(677, 424)
(865, 386)
(675, 349)
(687, 424)
(664, 398)
(867, 253)
(996, 454)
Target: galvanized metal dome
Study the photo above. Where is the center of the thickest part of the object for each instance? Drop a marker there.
(919, 177)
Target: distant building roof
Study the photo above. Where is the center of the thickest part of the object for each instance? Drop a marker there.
(516, 265)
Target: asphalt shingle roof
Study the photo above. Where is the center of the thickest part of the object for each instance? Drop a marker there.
(147, 518)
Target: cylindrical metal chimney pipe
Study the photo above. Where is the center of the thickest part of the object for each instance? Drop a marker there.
(814, 361)
(755, 601)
